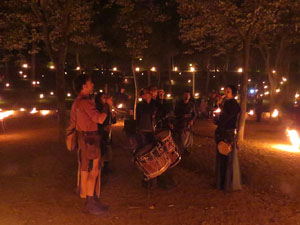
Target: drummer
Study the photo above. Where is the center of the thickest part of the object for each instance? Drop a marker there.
(145, 114)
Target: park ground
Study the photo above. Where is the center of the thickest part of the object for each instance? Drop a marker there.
(38, 177)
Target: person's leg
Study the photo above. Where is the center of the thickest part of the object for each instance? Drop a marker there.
(91, 178)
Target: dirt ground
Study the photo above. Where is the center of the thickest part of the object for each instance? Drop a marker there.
(38, 177)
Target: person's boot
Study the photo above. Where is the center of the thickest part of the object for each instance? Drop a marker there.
(91, 207)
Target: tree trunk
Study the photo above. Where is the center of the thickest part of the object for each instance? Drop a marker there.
(6, 75)
(60, 89)
(149, 77)
(135, 91)
(33, 62)
(207, 77)
(170, 74)
(272, 82)
(244, 84)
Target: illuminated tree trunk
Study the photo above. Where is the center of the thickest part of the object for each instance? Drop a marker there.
(244, 84)
(135, 90)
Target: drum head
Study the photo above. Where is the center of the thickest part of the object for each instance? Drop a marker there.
(162, 135)
(142, 151)
(224, 148)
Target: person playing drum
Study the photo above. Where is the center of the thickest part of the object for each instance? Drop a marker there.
(185, 115)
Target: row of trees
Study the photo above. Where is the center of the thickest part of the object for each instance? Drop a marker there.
(151, 30)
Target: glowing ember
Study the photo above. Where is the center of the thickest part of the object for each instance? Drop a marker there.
(120, 106)
(69, 94)
(7, 84)
(294, 138)
(196, 94)
(42, 96)
(22, 109)
(5, 114)
(51, 93)
(33, 111)
(275, 113)
(251, 112)
(45, 112)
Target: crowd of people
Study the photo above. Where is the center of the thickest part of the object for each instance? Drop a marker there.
(92, 117)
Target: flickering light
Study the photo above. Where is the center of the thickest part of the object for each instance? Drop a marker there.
(189, 81)
(33, 83)
(140, 99)
(236, 97)
(240, 70)
(52, 93)
(37, 82)
(294, 138)
(42, 96)
(297, 95)
(52, 67)
(125, 80)
(140, 59)
(45, 112)
(172, 82)
(33, 111)
(24, 76)
(273, 71)
(120, 106)
(192, 69)
(6, 114)
(261, 95)
(249, 80)
(22, 110)
(222, 88)
(175, 68)
(115, 69)
(251, 112)
(266, 93)
(275, 113)
(69, 94)
(153, 69)
(266, 86)
(100, 90)
(66, 73)
(20, 72)
(191, 64)
(179, 73)
(281, 82)
(7, 85)
(284, 79)
(78, 68)
(196, 94)
(25, 65)
(168, 95)
(137, 69)
(277, 90)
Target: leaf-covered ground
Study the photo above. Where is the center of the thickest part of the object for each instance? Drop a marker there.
(38, 177)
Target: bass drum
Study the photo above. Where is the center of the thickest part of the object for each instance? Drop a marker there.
(164, 137)
(152, 160)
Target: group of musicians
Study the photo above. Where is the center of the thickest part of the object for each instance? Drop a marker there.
(92, 118)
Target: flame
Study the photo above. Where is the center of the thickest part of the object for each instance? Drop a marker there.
(294, 138)
(218, 110)
(5, 114)
(45, 112)
(251, 112)
(33, 111)
(120, 106)
(275, 113)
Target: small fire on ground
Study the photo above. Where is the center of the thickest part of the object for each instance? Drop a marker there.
(295, 142)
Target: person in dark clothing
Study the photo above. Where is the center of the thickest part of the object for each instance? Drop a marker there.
(258, 109)
(185, 115)
(104, 103)
(145, 115)
(163, 111)
(227, 165)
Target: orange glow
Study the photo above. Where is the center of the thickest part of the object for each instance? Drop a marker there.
(6, 114)
(275, 113)
(294, 138)
(45, 112)
(33, 111)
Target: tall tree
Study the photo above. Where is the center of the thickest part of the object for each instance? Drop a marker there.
(224, 21)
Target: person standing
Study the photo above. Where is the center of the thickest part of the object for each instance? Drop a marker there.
(104, 104)
(84, 118)
(185, 115)
(227, 164)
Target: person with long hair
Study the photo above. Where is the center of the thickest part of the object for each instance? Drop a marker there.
(227, 164)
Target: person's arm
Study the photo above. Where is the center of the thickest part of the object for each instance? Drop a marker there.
(89, 108)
